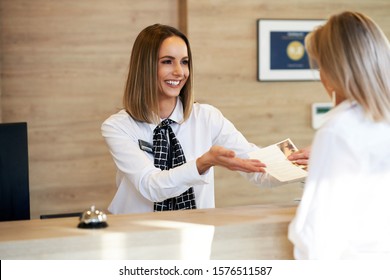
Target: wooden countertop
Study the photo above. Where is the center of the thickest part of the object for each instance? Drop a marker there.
(244, 232)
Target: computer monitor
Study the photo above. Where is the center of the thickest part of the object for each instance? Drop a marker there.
(14, 175)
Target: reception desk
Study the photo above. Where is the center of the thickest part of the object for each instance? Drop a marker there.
(245, 232)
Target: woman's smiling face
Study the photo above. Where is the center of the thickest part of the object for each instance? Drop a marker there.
(173, 68)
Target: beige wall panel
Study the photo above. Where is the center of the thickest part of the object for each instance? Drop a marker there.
(224, 44)
(64, 66)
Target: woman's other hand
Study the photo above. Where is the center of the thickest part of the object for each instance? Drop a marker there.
(301, 157)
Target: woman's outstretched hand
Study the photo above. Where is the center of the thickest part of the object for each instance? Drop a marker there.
(220, 156)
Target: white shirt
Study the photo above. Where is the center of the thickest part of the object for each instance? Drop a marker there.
(140, 183)
(345, 208)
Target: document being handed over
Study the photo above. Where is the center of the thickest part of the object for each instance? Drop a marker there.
(278, 166)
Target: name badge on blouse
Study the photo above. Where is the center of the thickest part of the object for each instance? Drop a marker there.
(145, 146)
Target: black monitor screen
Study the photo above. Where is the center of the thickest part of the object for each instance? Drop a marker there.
(14, 177)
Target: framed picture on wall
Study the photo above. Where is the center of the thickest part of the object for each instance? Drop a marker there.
(281, 51)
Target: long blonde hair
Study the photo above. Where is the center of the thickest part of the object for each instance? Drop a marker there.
(354, 54)
(140, 98)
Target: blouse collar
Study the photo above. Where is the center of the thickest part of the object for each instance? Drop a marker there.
(177, 114)
(341, 107)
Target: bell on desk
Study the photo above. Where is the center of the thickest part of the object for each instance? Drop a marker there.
(93, 218)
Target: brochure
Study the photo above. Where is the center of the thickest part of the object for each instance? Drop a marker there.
(278, 166)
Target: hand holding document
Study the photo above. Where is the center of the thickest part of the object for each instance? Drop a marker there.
(278, 166)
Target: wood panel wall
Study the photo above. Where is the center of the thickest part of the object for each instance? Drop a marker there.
(64, 65)
(224, 43)
(63, 68)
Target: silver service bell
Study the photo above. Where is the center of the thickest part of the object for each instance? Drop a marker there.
(93, 218)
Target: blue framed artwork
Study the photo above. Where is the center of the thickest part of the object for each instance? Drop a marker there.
(281, 50)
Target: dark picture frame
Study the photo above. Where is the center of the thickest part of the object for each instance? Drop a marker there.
(281, 52)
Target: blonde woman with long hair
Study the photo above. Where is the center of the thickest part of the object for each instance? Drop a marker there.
(345, 211)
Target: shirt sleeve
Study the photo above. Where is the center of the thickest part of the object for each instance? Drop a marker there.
(139, 170)
(227, 135)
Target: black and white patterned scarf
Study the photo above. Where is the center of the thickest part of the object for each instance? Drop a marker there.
(168, 153)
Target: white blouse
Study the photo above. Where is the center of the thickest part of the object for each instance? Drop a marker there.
(345, 208)
(140, 183)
